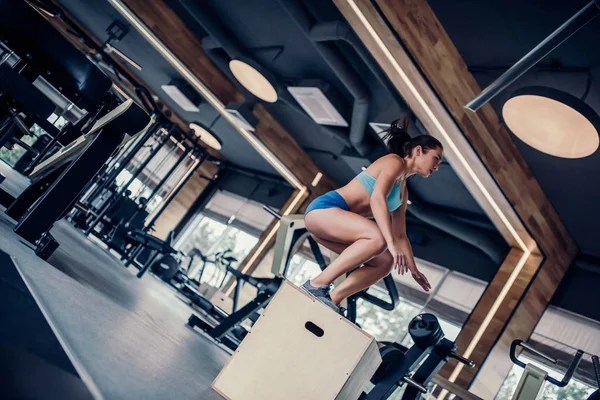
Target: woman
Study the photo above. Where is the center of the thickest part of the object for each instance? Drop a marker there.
(339, 220)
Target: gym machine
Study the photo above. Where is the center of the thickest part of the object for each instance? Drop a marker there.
(430, 352)
(534, 379)
(60, 179)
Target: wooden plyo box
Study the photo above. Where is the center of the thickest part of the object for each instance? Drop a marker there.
(299, 349)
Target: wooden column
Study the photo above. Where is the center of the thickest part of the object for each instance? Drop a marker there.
(437, 91)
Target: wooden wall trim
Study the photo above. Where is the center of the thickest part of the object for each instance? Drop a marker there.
(436, 85)
(270, 138)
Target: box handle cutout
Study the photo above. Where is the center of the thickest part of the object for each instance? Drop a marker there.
(314, 329)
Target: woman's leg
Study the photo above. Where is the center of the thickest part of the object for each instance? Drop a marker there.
(374, 269)
(362, 236)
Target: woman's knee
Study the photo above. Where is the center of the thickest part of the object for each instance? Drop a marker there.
(379, 244)
(383, 262)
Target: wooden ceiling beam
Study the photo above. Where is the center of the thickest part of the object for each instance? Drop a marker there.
(176, 36)
(125, 86)
(412, 47)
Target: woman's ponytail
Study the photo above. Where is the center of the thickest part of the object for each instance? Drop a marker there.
(397, 137)
(399, 142)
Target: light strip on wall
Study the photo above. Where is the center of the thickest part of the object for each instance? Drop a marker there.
(205, 92)
(437, 123)
(488, 318)
(317, 179)
(526, 252)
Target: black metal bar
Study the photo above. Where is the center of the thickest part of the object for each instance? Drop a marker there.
(236, 295)
(231, 321)
(112, 174)
(396, 373)
(103, 212)
(45, 150)
(148, 263)
(168, 174)
(166, 203)
(564, 32)
(67, 187)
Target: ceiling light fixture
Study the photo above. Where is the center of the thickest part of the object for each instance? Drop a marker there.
(254, 81)
(553, 122)
(206, 136)
(206, 93)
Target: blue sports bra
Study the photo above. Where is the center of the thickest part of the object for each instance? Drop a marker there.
(393, 199)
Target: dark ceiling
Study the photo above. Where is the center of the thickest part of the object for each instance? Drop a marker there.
(270, 37)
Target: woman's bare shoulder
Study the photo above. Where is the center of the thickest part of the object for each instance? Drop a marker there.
(389, 162)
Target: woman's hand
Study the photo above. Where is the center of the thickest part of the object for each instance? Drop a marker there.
(421, 279)
(399, 259)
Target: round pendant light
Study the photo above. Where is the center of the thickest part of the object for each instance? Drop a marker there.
(206, 136)
(553, 122)
(254, 81)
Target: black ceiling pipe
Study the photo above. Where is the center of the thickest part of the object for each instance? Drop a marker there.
(222, 39)
(338, 30)
(345, 73)
(460, 230)
(211, 45)
(565, 31)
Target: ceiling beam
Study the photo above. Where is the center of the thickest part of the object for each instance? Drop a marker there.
(437, 85)
(126, 87)
(163, 28)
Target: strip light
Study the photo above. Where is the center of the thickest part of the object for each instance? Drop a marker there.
(317, 179)
(205, 92)
(526, 252)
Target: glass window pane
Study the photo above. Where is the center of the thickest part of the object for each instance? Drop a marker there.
(203, 235)
(238, 241)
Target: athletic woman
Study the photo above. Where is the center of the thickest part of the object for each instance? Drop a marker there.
(365, 221)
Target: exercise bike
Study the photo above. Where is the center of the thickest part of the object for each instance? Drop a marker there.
(534, 379)
(429, 353)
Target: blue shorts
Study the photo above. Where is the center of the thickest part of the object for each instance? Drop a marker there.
(328, 200)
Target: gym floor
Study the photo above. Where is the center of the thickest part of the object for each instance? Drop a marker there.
(126, 337)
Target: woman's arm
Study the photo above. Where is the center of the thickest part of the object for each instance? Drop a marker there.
(399, 232)
(391, 168)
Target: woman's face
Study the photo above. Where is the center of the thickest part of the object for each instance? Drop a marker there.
(427, 162)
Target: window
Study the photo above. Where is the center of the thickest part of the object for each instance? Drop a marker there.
(228, 222)
(12, 156)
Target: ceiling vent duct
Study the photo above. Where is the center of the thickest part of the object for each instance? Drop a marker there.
(347, 75)
(321, 102)
(243, 116)
(183, 95)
